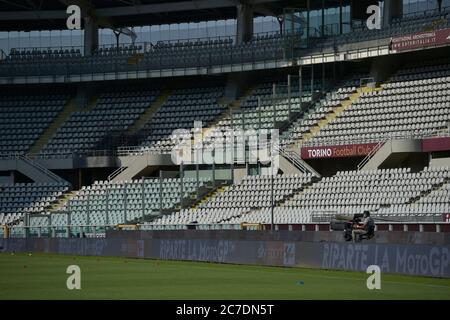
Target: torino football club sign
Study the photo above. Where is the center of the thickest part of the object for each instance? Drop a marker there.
(342, 151)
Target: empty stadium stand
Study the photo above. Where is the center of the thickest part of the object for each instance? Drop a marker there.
(413, 103)
(110, 131)
(111, 112)
(112, 203)
(24, 117)
(20, 198)
(253, 192)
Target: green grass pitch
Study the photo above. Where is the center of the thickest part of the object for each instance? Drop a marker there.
(43, 276)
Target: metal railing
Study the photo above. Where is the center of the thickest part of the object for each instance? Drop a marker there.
(41, 168)
(99, 230)
(416, 134)
(116, 172)
(137, 151)
(384, 218)
(185, 59)
(371, 154)
(296, 161)
(144, 46)
(145, 150)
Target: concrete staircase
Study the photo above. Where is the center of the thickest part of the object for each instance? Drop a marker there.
(70, 108)
(426, 193)
(280, 203)
(291, 163)
(234, 105)
(335, 112)
(151, 110)
(209, 196)
(53, 127)
(61, 201)
(390, 153)
(35, 171)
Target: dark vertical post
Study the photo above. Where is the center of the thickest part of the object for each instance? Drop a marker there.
(143, 199)
(107, 207)
(259, 112)
(214, 171)
(308, 21)
(88, 212)
(300, 86)
(271, 188)
(323, 77)
(160, 192)
(27, 225)
(69, 220)
(323, 19)
(197, 173)
(273, 104)
(351, 15)
(289, 95)
(181, 184)
(232, 148)
(125, 205)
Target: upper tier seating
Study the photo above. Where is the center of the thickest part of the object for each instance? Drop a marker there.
(113, 112)
(318, 112)
(24, 117)
(37, 55)
(197, 52)
(409, 24)
(180, 111)
(406, 106)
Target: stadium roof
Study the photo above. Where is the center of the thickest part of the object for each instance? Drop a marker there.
(26, 15)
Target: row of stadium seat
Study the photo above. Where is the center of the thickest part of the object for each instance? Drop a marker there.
(23, 118)
(194, 53)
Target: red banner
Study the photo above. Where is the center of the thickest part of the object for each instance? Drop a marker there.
(436, 144)
(421, 39)
(446, 217)
(342, 151)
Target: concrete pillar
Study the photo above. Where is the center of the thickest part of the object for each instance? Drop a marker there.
(323, 19)
(244, 29)
(392, 9)
(90, 35)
